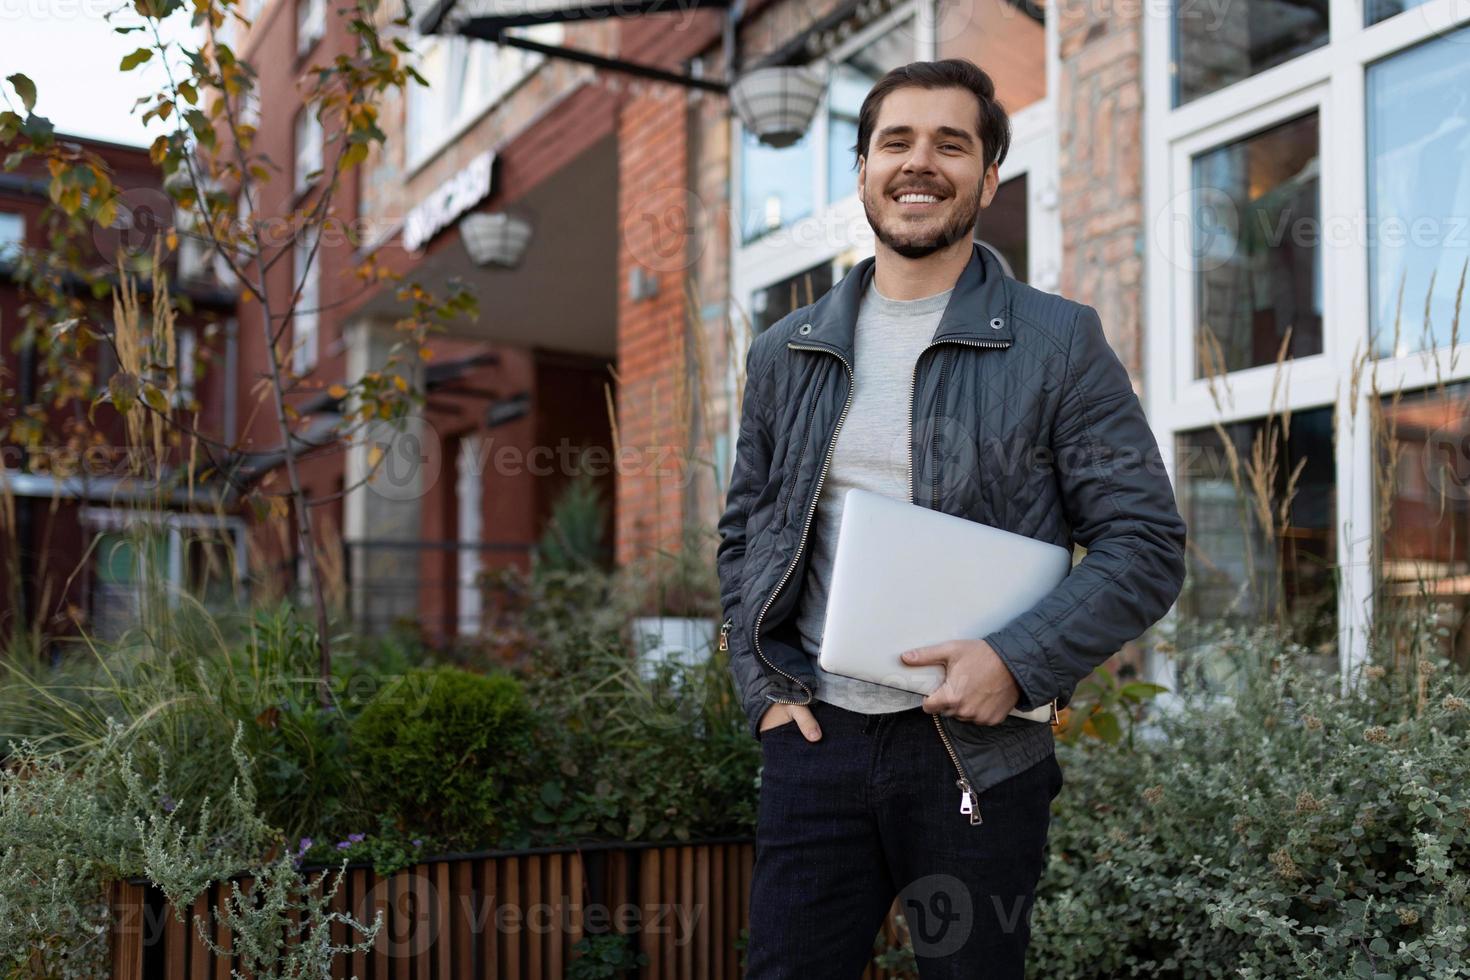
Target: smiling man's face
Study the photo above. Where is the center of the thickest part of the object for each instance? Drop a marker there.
(922, 180)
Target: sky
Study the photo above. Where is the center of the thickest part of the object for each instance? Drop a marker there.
(70, 50)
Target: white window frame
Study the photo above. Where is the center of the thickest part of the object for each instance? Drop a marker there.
(1332, 79)
(97, 519)
(307, 138)
(469, 493)
(306, 317)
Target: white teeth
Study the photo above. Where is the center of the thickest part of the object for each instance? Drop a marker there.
(918, 199)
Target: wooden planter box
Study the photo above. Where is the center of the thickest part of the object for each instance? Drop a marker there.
(500, 914)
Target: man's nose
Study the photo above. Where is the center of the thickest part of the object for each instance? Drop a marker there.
(920, 159)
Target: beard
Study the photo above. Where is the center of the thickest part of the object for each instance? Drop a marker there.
(915, 243)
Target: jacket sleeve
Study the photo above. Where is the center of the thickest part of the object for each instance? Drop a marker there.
(1118, 501)
(753, 450)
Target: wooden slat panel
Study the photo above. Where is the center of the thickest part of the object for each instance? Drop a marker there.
(461, 921)
(489, 938)
(223, 937)
(127, 926)
(199, 957)
(379, 892)
(535, 941)
(556, 901)
(576, 877)
(510, 887)
(649, 886)
(700, 914)
(357, 887)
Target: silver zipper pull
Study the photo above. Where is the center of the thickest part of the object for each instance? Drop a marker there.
(725, 633)
(967, 801)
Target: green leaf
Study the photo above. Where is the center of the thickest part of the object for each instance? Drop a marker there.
(155, 398)
(1142, 691)
(25, 88)
(138, 57)
(1106, 724)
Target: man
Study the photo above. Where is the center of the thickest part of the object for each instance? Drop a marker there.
(928, 375)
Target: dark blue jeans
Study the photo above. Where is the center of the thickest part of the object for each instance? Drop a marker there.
(869, 812)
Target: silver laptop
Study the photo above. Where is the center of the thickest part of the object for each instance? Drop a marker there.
(906, 576)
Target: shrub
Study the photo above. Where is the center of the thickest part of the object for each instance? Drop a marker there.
(1290, 830)
(439, 749)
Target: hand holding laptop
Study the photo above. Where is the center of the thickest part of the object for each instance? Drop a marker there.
(906, 577)
(978, 687)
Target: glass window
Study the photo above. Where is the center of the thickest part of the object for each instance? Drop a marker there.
(1377, 10)
(308, 149)
(311, 24)
(779, 299)
(1418, 135)
(1423, 459)
(849, 85)
(12, 235)
(1002, 226)
(1251, 558)
(1215, 47)
(1256, 250)
(466, 77)
(305, 318)
(776, 185)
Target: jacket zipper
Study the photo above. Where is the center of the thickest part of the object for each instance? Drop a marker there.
(968, 806)
(805, 527)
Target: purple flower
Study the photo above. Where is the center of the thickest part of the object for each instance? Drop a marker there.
(343, 845)
(305, 846)
(418, 842)
(168, 803)
(355, 838)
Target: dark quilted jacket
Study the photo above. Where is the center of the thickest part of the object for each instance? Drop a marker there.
(1022, 418)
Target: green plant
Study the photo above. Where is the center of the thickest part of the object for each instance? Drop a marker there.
(439, 749)
(68, 830)
(281, 929)
(608, 954)
(574, 535)
(1271, 826)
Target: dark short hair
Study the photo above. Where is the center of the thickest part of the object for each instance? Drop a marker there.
(994, 126)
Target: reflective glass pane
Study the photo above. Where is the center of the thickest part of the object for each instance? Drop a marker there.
(1216, 45)
(776, 185)
(779, 299)
(1002, 226)
(1256, 249)
(1423, 457)
(1418, 109)
(1254, 557)
(846, 90)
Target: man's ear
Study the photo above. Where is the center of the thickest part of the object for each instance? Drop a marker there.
(862, 178)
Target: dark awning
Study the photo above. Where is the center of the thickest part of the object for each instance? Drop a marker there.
(487, 18)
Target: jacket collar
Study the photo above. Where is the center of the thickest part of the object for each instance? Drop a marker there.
(978, 309)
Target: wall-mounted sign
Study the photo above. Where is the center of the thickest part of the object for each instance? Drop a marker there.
(448, 201)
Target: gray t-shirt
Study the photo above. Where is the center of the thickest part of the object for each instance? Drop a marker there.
(872, 452)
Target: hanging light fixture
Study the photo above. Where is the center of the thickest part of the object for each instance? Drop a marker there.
(777, 103)
(495, 239)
